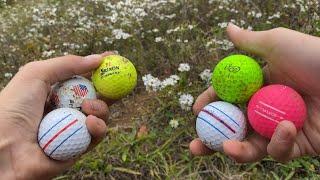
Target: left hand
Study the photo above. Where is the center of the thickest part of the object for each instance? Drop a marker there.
(292, 59)
(22, 106)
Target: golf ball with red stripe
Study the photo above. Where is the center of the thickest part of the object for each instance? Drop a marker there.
(273, 104)
(63, 134)
(218, 122)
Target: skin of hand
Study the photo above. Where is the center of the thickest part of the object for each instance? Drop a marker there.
(293, 59)
(22, 106)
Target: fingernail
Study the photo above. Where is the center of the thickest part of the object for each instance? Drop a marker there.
(235, 27)
(93, 57)
(115, 52)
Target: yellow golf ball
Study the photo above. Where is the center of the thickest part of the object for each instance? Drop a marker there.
(115, 78)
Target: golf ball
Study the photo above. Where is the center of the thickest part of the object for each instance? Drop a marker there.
(63, 134)
(72, 92)
(115, 78)
(218, 122)
(273, 104)
(236, 78)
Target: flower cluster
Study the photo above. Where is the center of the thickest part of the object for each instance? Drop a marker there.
(184, 67)
(206, 75)
(154, 84)
(186, 101)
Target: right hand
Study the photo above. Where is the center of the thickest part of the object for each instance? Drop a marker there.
(293, 59)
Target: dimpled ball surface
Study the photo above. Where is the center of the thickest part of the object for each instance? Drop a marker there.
(273, 104)
(236, 78)
(72, 92)
(115, 78)
(63, 134)
(218, 122)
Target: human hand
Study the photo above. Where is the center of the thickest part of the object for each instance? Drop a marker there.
(293, 59)
(22, 106)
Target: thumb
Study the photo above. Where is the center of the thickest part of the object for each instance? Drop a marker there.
(282, 144)
(61, 68)
(257, 43)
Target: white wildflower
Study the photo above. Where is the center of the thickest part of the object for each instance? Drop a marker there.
(259, 15)
(8, 75)
(190, 27)
(159, 39)
(223, 25)
(47, 54)
(174, 123)
(151, 83)
(171, 81)
(119, 34)
(186, 101)
(206, 75)
(184, 67)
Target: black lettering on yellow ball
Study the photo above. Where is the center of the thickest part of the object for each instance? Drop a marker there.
(110, 74)
(106, 71)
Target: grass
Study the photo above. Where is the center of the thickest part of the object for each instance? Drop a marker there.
(39, 29)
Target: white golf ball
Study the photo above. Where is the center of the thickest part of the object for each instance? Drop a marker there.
(220, 121)
(72, 92)
(63, 134)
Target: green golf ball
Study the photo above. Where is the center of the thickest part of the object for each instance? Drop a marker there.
(236, 78)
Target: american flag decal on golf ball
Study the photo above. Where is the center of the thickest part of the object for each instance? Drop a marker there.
(72, 92)
(80, 90)
(63, 134)
(218, 122)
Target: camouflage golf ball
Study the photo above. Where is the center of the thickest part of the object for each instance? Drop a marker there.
(236, 78)
(115, 78)
(72, 92)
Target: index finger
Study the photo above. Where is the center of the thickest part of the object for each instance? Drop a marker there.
(204, 99)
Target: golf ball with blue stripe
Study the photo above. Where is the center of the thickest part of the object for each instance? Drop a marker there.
(63, 134)
(220, 121)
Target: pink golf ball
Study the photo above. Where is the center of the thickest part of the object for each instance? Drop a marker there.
(273, 104)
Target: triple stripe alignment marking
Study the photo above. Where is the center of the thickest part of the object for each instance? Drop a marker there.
(218, 119)
(59, 132)
(66, 140)
(226, 115)
(53, 127)
(213, 127)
